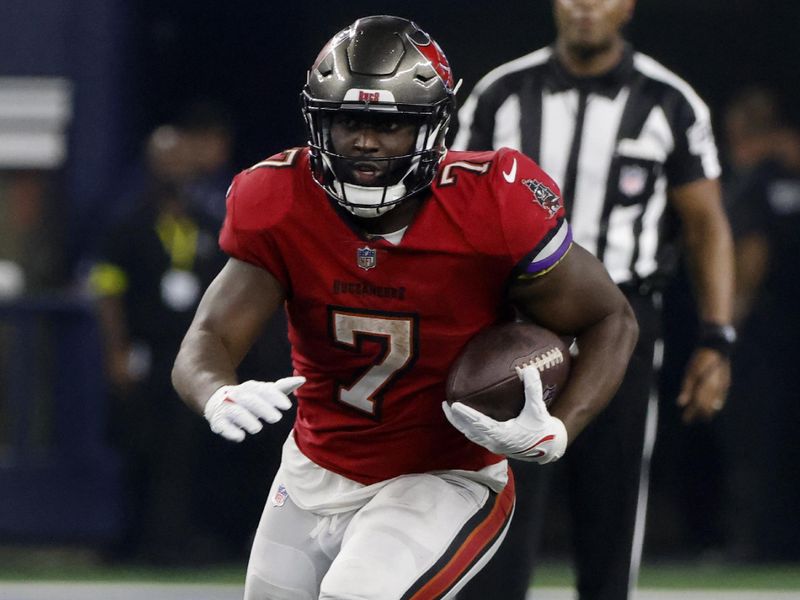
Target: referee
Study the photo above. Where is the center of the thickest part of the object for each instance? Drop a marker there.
(631, 146)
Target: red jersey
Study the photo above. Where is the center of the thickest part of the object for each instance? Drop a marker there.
(374, 327)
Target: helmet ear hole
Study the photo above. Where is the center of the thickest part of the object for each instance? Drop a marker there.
(379, 64)
(325, 67)
(425, 73)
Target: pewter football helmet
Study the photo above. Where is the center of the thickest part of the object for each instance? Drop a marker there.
(379, 64)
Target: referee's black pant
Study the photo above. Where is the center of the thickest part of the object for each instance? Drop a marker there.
(607, 470)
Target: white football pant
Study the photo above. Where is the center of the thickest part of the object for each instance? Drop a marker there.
(419, 536)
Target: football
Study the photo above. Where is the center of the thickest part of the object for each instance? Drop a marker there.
(484, 374)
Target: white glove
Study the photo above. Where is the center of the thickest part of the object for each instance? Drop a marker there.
(234, 409)
(533, 435)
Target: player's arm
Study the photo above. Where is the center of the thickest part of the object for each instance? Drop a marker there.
(231, 315)
(709, 252)
(565, 289)
(578, 298)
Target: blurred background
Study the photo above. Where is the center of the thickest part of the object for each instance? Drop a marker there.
(121, 124)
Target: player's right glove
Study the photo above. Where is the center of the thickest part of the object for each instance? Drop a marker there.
(235, 409)
(533, 435)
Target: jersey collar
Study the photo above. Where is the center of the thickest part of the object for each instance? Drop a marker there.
(608, 84)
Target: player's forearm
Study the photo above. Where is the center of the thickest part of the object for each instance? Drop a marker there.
(710, 254)
(230, 316)
(202, 366)
(604, 351)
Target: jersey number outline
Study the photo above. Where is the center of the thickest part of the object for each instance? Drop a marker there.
(450, 178)
(287, 159)
(397, 334)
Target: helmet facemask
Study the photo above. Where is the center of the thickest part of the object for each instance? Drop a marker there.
(404, 175)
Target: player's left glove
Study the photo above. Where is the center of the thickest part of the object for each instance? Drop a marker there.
(533, 435)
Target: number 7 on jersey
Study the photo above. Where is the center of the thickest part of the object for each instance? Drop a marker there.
(395, 332)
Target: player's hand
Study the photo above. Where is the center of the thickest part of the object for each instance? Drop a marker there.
(235, 409)
(705, 385)
(533, 435)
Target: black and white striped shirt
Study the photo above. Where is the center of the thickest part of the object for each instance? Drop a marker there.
(614, 144)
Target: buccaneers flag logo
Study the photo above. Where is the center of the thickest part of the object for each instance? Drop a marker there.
(547, 198)
(431, 51)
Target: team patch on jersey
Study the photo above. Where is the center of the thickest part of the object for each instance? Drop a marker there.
(547, 198)
(366, 258)
(279, 499)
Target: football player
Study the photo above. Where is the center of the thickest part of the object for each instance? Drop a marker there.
(389, 254)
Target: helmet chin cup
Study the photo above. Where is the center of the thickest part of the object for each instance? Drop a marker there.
(368, 202)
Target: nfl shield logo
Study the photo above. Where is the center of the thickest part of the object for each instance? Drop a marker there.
(632, 179)
(366, 258)
(279, 499)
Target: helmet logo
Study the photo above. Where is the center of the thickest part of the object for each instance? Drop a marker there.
(366, 258)
(433, 53)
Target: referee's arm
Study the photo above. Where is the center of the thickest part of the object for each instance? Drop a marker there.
(709, 254)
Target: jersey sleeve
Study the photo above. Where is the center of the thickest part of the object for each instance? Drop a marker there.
(695, 153)
(531, 214)
(246, 235)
